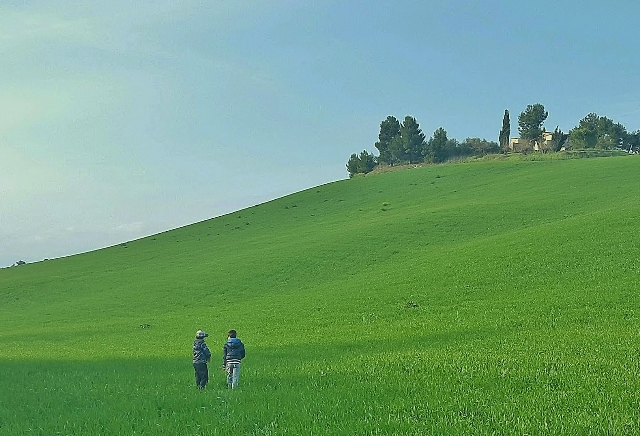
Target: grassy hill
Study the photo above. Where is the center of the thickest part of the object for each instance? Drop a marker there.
(496, 297)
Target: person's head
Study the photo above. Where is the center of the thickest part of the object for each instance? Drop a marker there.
(232, 333)
(201, 334)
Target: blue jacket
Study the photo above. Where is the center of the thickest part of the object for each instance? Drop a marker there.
(233, 351)
(201, 353)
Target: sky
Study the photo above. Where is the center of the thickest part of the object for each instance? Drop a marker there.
(122, 119)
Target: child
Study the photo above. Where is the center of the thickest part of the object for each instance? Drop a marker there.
(233, 354)
(201, 355)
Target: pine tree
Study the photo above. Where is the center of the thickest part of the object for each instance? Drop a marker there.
(530, 122)
(436, 149)
(389, 130)
(410, 143)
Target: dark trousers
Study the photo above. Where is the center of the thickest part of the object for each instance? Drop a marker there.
(202, 374)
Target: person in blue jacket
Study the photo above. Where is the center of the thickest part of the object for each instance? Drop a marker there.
(201, 355)
(233, 353)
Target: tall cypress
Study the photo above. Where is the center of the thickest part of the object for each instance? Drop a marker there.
(505, 132)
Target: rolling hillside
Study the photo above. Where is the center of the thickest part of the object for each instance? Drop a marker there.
(474, 298)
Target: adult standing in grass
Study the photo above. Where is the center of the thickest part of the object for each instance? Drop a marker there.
(201, 355)
(233, 353)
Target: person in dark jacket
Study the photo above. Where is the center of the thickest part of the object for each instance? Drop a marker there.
(201, 355)
(233, 353)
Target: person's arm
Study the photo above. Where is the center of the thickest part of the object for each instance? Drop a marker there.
(224, 355)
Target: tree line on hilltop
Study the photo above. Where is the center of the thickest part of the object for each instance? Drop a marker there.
(405, 143)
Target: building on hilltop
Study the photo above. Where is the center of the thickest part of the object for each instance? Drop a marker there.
(519, 145)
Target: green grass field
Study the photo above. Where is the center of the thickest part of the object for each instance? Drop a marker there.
(489, 297)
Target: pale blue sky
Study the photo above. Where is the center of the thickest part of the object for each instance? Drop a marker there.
(120, 119)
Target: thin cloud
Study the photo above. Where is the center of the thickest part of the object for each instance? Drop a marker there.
(20, 28)
(135, 227)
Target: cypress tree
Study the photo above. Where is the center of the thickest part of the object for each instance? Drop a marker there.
(505, 132)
